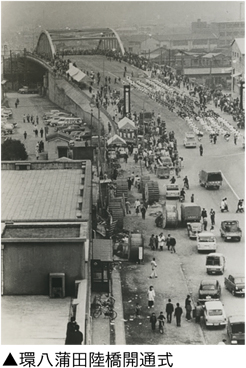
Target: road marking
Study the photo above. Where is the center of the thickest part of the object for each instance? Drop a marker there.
(230, 186)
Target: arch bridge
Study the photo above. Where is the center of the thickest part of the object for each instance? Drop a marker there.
(71, 41)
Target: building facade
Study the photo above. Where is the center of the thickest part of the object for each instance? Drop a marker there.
(238, 67)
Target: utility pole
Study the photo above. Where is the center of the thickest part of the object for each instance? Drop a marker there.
(242, 83)
(11, 69)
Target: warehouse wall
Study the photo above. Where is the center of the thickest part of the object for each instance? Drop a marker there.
(26, 266)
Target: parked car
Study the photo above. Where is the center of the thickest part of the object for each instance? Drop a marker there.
(230, 230)
(210, 179)
(235, 284)
(190, 140)
(206, 241)
(236, 330)
(194, 228)
(209, 289)
(215, 263)
(172, 191)
(6, 111)
(214, 314)
(26, 90)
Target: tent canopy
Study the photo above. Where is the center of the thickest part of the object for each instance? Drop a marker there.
(75, 73)
(117, 140)
(126, 123)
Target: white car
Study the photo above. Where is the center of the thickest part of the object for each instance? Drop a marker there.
(206, 241)
(7, 110)
(214, 314)
(190, 140)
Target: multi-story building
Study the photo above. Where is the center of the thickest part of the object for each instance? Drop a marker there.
(238, 67)
(227, 31)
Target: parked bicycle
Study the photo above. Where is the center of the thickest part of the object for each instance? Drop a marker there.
(107, 310)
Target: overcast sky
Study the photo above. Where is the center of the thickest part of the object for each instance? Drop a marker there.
(57, 14)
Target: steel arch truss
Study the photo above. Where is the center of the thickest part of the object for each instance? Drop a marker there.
(45, 47)
(54, 41)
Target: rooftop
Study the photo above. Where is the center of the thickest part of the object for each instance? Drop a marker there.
(49, 190)
(241, 44)
(35, 320)
(40, 194)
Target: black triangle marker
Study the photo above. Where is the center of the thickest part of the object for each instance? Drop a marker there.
(10, 361)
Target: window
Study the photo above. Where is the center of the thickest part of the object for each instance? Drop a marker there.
(215, 312)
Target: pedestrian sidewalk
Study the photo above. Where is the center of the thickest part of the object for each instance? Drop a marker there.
(105, 332)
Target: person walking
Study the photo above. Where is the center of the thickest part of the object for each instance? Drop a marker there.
(25, 135)
(152, 242)
(198, 312)
(151, 297)
(129, 182)
(192, 198)
(41, 132)
(24, 118)
(153, 265)
(172, 244)
(137, 206)
(161, 319)
(128, 204)
(201, 149)
(188, 310)
(143, 211)
(156, 242)
(178, 313)
(161, 241)
(212, 218)
(169, 311)
(28, 118)
(205, 223)
(168, 241)
(204, 213)
(153, 321)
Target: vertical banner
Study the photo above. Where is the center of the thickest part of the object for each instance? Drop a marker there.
(127, 100)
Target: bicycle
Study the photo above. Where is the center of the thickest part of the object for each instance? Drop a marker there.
(106, 310)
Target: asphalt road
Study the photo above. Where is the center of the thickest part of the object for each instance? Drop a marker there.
(224, 156)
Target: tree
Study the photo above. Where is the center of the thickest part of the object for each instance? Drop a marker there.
(13, 150)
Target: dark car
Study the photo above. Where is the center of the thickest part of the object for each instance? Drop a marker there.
(209, 289)
(235, 284)
(236, 330)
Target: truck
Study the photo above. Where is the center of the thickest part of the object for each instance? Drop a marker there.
(190, 212)
(230, 230)
(210, 179)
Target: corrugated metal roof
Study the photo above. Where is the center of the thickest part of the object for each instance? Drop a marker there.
(103, 250)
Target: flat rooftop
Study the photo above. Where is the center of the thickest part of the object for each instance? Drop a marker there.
(34, 320)
(40, 194)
